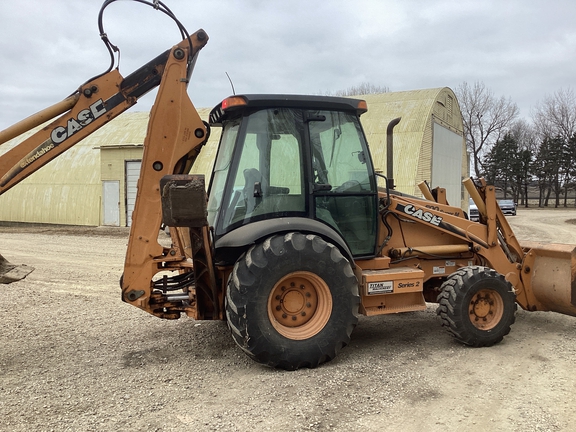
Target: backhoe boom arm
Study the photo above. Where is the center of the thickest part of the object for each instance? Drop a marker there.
(174, 138)
(93, 105)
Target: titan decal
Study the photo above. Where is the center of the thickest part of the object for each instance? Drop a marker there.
(380, 287)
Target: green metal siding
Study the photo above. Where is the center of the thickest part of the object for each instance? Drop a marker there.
(66, 191)
(413, 136)
(69, 189)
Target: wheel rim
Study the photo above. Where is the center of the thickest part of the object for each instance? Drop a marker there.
(486, 309)
(300, 305)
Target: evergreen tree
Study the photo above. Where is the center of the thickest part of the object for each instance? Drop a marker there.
(547, 169)
(503, 166)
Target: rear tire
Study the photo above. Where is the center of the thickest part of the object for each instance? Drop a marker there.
(292, 301)
(477, 306)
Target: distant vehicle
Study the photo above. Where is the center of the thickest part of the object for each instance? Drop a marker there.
(473, 211)
(507, 206)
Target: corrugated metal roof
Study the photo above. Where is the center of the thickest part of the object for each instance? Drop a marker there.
(413, 135)
(127, 129)
(68, 190)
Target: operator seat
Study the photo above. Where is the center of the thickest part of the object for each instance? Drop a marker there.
(254, 189)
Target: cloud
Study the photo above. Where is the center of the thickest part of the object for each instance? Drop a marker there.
(523, 50)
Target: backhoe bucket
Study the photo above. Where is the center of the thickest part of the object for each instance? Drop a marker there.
(11, 273)
(553, 276)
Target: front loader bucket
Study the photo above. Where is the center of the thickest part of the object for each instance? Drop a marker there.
(11, 273)
(549, 272)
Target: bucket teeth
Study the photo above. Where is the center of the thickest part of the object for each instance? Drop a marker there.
(11, 273)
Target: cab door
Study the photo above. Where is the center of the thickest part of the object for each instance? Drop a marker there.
(343, 185)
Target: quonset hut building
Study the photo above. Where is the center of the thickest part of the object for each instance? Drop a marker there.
(94, 183)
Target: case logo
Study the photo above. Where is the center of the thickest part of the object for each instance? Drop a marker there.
(421, 214)
(85, 117)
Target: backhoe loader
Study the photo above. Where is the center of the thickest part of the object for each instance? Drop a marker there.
(297, 234)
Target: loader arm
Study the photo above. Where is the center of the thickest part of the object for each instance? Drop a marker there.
(465, 236)
(543, 275)
(448, 234)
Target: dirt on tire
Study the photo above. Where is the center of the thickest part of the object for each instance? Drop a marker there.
(74, 357)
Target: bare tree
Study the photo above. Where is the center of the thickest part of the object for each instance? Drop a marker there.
(555, 116)
(486, 119)
(555, 121)
(362, 89)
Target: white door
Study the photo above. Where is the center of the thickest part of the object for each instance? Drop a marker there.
(111, 202)
(132, 175)
(447, 163)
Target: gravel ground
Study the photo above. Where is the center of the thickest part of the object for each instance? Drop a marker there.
(73, 357)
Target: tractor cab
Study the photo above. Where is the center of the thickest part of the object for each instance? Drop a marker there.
(288, 162)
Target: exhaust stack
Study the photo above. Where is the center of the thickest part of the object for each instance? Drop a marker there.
(390, 153)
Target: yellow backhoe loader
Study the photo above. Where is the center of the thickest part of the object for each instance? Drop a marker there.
(294, 238)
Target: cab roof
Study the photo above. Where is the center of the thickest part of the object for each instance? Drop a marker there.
(236, 103)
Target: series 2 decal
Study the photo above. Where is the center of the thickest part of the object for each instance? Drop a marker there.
(387, 287)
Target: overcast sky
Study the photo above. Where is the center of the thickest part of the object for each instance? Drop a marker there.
(522, 49)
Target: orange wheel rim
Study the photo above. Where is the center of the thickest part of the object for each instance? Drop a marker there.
(486, 309)
(300, 305)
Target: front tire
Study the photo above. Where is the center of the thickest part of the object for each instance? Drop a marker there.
(292, 301)
(477, 306)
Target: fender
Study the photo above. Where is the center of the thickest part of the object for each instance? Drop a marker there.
(247, 235)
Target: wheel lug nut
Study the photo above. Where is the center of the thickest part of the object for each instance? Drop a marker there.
(307, 294)
(284, 316)
(292, 284)
(283, 288)
(303, 314)
(302, 286)
(278, 297)
(278, 308)
(308, 304)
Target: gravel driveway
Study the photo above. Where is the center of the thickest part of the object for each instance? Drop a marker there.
(74, 357)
